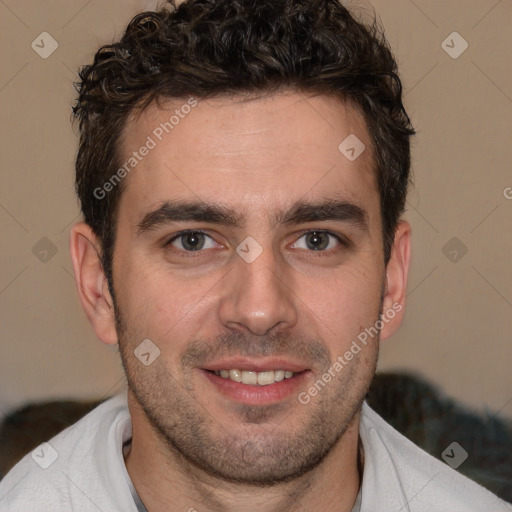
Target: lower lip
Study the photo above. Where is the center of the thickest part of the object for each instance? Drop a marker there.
(256, 395)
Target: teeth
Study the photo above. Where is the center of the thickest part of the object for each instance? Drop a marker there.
(249, 377)
(265, 378)
(255, 378)
(235, 375)
(279, 375)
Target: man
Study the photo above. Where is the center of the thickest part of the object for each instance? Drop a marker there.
(242, 171)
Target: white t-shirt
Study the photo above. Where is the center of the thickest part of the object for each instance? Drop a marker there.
(83, 469)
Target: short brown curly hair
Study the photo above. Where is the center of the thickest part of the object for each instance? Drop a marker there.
(207, 48)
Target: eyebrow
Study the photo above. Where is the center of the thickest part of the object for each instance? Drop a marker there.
(300, 212)
(176, 211)
(338, 210)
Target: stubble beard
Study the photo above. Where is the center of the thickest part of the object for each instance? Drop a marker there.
(263, 452)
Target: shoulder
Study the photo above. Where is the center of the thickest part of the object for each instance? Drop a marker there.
(399, 475)
(71, 467)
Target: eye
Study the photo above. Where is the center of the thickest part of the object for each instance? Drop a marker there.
(192, 241)
(318, 241)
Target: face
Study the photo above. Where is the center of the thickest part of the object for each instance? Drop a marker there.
(247, 241)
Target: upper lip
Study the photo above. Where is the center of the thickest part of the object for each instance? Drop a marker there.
(256, 365)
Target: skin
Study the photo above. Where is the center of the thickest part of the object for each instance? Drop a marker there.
(192, 447)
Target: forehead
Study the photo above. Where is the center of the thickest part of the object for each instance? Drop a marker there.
(254, 155)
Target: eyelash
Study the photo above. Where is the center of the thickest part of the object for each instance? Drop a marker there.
(339, 238)
(191, 254)
(344, 242)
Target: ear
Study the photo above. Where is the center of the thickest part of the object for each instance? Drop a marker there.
(397, 271)
(92, 283)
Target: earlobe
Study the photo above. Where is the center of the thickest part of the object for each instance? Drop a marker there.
(397, 272)
(92, 283)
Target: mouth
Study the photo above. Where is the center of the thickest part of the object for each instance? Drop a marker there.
(257, 384)
(254, 378)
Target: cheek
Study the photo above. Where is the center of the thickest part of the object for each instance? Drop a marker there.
(345, 304)
(157, 304)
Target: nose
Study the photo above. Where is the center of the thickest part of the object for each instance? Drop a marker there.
(258, 296)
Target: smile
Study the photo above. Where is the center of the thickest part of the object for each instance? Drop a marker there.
(255, 378)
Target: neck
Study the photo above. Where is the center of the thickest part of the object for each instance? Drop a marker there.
(166, 481)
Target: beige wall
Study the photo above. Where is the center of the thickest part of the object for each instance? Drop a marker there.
(457, 329)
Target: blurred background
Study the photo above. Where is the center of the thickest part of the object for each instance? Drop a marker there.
(454, 59)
